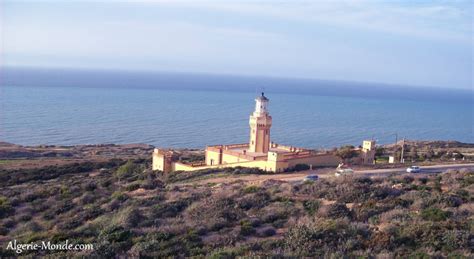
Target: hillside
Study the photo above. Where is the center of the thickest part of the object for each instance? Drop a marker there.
(124, 209)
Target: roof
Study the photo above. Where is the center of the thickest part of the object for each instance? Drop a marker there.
(262, 97)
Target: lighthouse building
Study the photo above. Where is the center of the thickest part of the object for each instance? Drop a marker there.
(259, 152)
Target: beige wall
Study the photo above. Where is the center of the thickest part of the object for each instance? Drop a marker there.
(271, 165)
(368, 144)
(317, 160)
(274, 162)
(264, 165)
(213, 157)
(158, 162)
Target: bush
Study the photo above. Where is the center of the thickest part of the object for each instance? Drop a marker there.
(255, 200)
(336, 210)
(170, 209)
(90, 186)
(434, 214)
(311, 206)
(251, 189)
(150, 184)
(3, 231)
(246, 228)
(115, 234)
(127, 170)
(128, 217)
(33, 226)
(119, 196)
(298, 167)
(5, 208)
(8, 223)
(87, 198)
(132, 187)
(266, 232)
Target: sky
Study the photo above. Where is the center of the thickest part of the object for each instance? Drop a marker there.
(423, 43)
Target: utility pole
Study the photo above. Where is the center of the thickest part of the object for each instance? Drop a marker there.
(403, 149)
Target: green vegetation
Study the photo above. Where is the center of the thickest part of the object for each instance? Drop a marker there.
(346, 152)
(131, 211)
(434, 214)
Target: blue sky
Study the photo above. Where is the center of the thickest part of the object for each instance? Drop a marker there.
(428, 43)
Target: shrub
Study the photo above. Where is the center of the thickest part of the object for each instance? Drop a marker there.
(33, 226)
(128, 217)
(127, 170)
(246, 228)
(68, 224)
(5, 207)
(63, 206)
(266, 232)
(298, 167)
(256, 200)
(132, 187)
(120, 196)
(216, 208)
(25, 217)
(170, 209)
(106, 183)
(3, 231)
(8, 223)
(298, 240)
(251, 189)
(336, 210)
(150, 184)
(434, 214)
(453, 201)
(408, 179)
(87, 198)
(346, 152)
(311, 206)
(274, 215)
(423, 180)
(112, 241)
(90, 186)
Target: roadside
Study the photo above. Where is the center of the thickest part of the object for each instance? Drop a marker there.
(324, 173)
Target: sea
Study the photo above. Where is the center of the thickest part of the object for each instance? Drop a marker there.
(184, 110)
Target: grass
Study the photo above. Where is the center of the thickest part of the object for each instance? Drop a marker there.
(3, 162)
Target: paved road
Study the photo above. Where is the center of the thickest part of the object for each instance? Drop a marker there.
(424, 170)
(329, 172)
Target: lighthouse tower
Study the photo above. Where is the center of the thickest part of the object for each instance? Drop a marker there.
(260, 123)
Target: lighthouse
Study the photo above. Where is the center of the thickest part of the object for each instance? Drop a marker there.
(258, 153)
(260, 122)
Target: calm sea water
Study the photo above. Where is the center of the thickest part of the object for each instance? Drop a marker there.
(32, 115)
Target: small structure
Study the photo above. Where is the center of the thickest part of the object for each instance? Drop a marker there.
(368, 152)
(260, 152)
(391, 159)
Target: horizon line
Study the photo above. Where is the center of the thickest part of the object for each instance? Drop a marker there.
(241, 75)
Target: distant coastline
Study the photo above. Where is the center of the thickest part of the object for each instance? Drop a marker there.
(88, 78)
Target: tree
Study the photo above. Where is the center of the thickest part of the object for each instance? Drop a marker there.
(126, 170)
(379, 151)
(346, 152)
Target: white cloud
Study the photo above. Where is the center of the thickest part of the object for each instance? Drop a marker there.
(433, 20)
